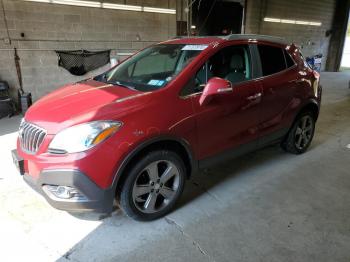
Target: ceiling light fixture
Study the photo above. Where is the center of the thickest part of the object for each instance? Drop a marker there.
(99, 4)
(298, 22)
(315, 23)
(274, 20)
(287, 21)
(159, 10)
(77, 3)
(40, 1)
(290, 21)
(122, 7)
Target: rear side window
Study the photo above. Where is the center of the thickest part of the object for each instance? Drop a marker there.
(289, 60)
(272, 59)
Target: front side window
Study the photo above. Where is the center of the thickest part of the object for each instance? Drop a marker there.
(231, 63)
(152, 68)
(272, 59)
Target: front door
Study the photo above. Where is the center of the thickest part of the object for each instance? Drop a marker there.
(230, 119)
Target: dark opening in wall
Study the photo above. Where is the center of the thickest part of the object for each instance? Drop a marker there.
(215, 17)
(339, 27)
(345, 61)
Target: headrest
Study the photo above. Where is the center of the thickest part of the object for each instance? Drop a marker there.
(236, 62)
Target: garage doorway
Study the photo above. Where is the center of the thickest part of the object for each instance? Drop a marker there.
(216, 17)
(345, 61)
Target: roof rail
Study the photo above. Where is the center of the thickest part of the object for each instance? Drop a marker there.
(274, 39)
(268, 38)
(196, 36)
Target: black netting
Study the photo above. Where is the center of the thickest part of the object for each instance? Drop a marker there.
(79, 62)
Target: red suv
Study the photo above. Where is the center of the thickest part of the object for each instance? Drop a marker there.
(136, 132)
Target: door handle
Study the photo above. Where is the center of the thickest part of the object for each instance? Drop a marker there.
(253, 97)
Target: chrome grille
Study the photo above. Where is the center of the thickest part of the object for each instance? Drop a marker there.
(31, 137)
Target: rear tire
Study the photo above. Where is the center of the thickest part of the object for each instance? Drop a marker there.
(153, 185)
(300, 135)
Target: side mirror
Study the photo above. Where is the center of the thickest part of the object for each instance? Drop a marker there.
(215, 86)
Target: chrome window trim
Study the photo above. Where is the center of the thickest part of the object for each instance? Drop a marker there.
(280, 72)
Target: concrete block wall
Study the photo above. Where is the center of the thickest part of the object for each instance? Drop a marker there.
(311, 39)
(49, 27)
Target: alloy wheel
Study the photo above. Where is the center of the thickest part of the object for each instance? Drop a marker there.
(156, 186)
(303, 132)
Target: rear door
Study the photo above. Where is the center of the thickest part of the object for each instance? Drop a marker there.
(279, 81)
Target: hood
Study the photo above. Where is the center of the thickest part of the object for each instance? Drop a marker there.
(75, 103)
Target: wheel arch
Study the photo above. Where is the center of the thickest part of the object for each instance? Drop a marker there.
(177, 145)
(312, 106)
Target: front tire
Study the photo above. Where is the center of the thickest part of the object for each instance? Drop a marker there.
(300, 135)
(153, 185)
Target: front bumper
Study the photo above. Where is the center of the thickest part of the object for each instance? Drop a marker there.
(96, 199)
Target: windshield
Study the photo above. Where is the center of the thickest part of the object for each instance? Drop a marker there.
(153, 67)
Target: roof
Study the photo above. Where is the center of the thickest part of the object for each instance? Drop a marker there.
(210, 39)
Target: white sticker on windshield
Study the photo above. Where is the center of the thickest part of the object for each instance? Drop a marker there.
(195, 47)
(155, 82)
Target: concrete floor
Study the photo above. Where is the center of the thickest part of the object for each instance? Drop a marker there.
(265, 206)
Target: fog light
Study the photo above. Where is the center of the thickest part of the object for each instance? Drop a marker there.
(64, 193)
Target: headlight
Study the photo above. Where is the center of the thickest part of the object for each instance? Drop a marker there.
(83, 137)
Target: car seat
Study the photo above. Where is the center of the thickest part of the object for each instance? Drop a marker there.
(237, 69)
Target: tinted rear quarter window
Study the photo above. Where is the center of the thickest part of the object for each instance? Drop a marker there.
(272, 59)
(289, 60)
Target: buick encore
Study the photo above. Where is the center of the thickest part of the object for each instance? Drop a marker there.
(136, 132)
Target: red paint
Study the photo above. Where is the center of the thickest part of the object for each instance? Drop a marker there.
(216, 86)
(224, 121)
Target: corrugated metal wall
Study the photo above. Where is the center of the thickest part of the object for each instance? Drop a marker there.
(312, 39)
